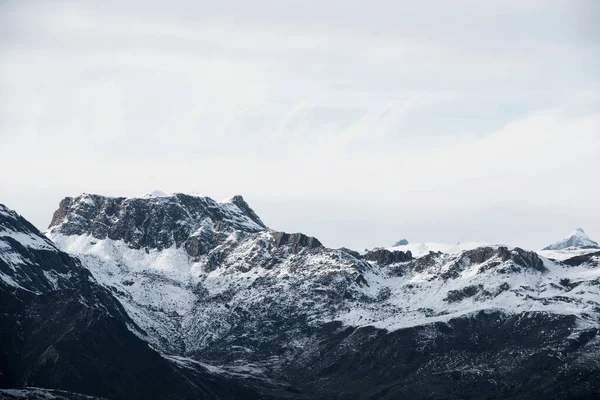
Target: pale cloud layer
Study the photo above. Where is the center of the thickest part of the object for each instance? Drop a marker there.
(358, 122)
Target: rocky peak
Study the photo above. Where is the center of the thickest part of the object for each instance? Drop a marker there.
(402, 242)
(577, 239)
(152, 221)
(296, 241)
(502, 258)
(239, 201)
(387, 257)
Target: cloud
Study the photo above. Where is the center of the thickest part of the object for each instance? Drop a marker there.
(392, 113)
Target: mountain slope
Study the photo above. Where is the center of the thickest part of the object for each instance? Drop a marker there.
(61, 329)
(220, 288)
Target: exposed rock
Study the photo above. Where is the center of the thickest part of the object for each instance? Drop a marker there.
(386, 257)
(155, 222)
(337, 326)
(62, 330)
(296, 241)
(466, 292)
(592, 259)
(499, 258)
(353, 253)
(402, 242)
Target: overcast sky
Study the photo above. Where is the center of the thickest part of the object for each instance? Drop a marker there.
(358, 122)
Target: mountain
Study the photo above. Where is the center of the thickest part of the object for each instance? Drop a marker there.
(401, 242)
(577, 239)
(422, 249)
(209, 285)
(61, 329)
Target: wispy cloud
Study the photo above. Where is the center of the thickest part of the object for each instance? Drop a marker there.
(396, 111)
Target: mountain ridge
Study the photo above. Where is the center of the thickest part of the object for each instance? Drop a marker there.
(295, 295)
(61, 329)
(219, 296)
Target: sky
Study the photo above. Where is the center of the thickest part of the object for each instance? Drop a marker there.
(360, 123)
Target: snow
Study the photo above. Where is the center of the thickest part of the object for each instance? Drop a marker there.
(565, 254)
(185, 303)
(577, 239)
(422, 249)
(87, 199)
(420, 299)
(9, 281)
(157, 193)
(242, 370)
(29, 240)
(172, 297)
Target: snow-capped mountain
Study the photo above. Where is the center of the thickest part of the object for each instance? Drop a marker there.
(573, 248)
(577, 239)
(61, 329)
(209, 284)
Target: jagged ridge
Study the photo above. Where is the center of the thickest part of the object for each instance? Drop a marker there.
(294, 294)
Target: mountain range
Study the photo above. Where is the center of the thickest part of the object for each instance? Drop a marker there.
(180, 297)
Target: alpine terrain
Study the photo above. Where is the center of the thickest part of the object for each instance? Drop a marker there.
(180, 296)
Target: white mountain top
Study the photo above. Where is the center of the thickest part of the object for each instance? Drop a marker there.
(577, 239)
(422, 249)
(157, 193)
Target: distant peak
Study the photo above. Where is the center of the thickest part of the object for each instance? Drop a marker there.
(578, 233)
(402, 242)
(577, 239)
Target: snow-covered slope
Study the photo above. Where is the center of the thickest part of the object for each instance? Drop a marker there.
(577, 239)
(61, 329)
(185, 295)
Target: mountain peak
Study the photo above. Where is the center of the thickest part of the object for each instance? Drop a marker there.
(154, 221)
(578, 239)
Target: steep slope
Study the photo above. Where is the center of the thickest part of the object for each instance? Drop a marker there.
(61, 329)
(221, 288)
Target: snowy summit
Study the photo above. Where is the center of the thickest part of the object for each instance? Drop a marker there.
(577, 239)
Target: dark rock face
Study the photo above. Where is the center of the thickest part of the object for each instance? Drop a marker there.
(488, 354)
(466, 292)
(386, 257)
(156, 223)
(490, 257)
(353, 253)
(296, 241)
(60, 329)
(592, 259)
(282, 291)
